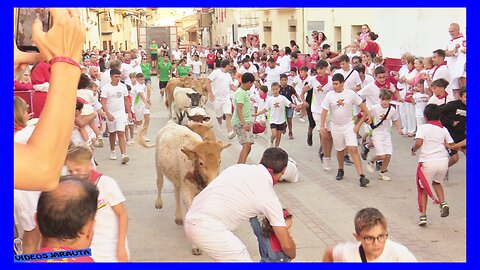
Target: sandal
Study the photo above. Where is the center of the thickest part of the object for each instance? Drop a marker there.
(290, 135)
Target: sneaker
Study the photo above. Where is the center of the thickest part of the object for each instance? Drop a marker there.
(99, 141)
(105, 134)
(132, 141)
(378, 165)
(327, 164)
(320, 154)
(371, 166)
(129, 143)
(363, 181)
(231, 135)
(340, 174)
(444, 209)
(270, 145)
(125, 159)
(422, 221)
(310, 139)
(290, 135)
(365, 151)
(113, 155)
(347, 160)
(301, 119)
(383, 177)
(224, 117)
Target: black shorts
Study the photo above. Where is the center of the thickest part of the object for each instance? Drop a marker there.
(154, 57)
(162, 84)
(210, 66)
(279, 127)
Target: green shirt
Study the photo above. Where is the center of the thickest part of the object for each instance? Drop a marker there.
(146, 70)
(241, 96)
(153, 48)
(183, 71)
(164, 71)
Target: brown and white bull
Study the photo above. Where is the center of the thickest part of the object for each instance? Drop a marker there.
(187, 161)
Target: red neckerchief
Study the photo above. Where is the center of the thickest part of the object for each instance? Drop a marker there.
(275, 243)
(421, 179)
(437, 67)
(304, 78)
(435, 123)
(271, 174)
(127, 62)
(410, 70)
(95, 176)
(322, 80)
(442, 96)
(386, 85)
(457, 37)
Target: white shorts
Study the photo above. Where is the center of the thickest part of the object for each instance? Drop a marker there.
(25, 205)
(382, 141)
(435, 171)
(222, 107)
(118, 124)
(220, 244)
(140, 112)
(343, 136)
(317, 117)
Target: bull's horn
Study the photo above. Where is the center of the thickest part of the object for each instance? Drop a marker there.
(224, 145)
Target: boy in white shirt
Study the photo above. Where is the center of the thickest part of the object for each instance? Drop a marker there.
(196, 66)
(141, 104)
(420, 100)
(352, 79)
(301, 81)
(109, 242)
(431, 139)
(372, 243)
(276, 104)
(382, 116)
(272, 74)
(340, 103)
(440, 95)
(115, 102)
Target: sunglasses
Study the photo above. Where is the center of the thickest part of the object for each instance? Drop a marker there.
(144, 58)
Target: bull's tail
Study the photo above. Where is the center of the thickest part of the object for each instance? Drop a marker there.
(141, 139)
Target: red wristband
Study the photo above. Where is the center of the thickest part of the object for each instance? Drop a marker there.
(67, 60)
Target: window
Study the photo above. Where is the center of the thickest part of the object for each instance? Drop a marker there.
(315, 25)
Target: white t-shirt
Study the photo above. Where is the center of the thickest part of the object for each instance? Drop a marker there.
(115, 96)
(443, 73)
(284, 63)
(299, 83)
(341, 105)
(273, 75)
(440, 101)
(392, 252)
(371, 94)
(351, 55)
(252, 69)
(196, 65)
(319, 95)
(420, 103)
(277, 105)
(221, 82)
(239, 193)
(401, 73)
(352, 81)
(434, 139)
(368, 80)
(105, 236)
(135, 63)
(135, 94)
(126, 69)
(378, 112)
(452, 60)
(105, 78)
(176, 55)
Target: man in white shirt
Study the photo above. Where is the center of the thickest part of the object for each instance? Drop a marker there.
(220, 208)
(372, 243)
(176, 54)
(218, 84)
(402, 88)
(126, 68)
(364, 77)
(93, 74)
(352, 79)
(441, 71)
(248, 67)
(340, 104)
(453, 52)
(272, 73)
(283, 60)
(115, 103)
(196, 66)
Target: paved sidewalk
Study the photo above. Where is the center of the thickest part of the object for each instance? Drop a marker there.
(323, 208)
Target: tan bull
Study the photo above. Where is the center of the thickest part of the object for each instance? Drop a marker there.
(205, 130)
(187, 161)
